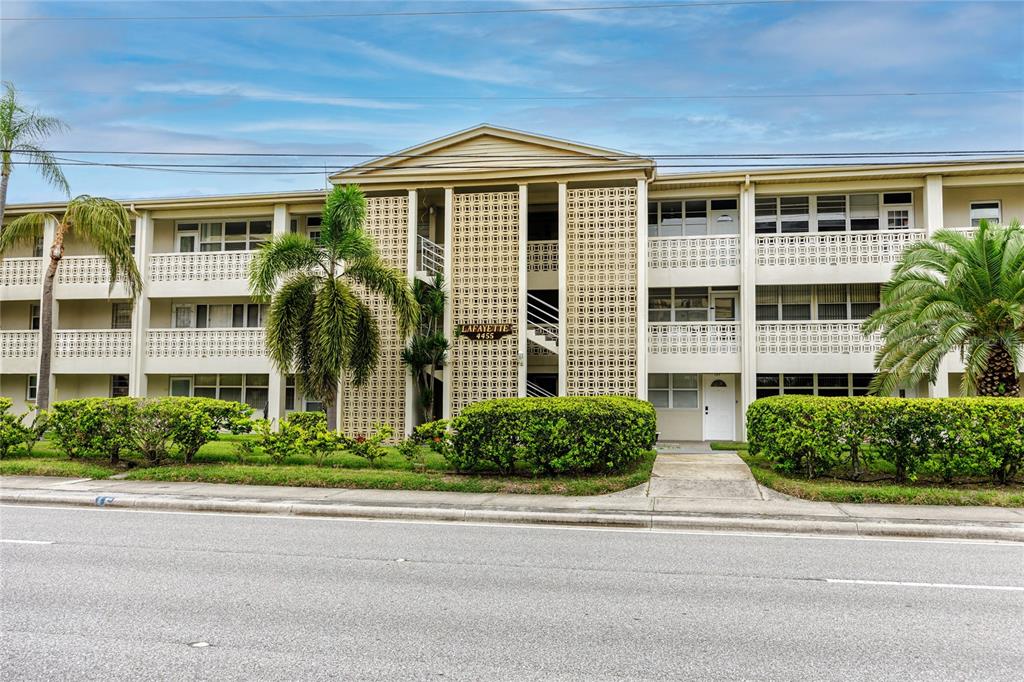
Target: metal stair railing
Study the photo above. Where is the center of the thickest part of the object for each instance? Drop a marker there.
(430, 256)
(542, 317)
(537, 391)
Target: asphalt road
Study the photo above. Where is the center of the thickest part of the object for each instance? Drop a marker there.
(124, 594)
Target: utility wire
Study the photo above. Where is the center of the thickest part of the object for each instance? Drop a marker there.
(411, 13)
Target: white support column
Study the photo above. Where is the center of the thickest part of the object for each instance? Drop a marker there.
(524, 205)
(641, 288)
(748, 308)
(410, 271)
(449, 313)
(275, 380)
(563, 287)
(933, 222)
(138, 384)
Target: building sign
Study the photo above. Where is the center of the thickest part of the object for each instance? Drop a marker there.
(485, 332)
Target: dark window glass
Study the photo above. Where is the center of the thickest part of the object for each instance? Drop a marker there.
(767, 313)
(238, 315)
(253, 317)
(201, 312)
(833, 392)
(767, 380)
(897, 197)
(118, 385)
(797, 380)
(831, 311)
(862, 380)
(259, 227)
(767, 392)
(833, 380)
(723, 204)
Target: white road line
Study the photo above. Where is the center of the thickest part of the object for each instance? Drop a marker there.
(27, 542)
(534, 527)
(952, 586)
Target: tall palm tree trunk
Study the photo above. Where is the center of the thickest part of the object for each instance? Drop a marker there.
(1000, 377)
(5, 175)
(46, 320)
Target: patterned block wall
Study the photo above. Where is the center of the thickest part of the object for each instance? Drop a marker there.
(484, 289)
(382, 399)
(601, 291)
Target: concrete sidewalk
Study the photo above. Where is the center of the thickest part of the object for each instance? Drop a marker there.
(632, 509)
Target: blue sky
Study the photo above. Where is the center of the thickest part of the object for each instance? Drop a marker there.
(330, 84)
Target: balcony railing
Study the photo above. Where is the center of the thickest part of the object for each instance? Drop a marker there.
(206, 343)
(542, 256)
(693, 338)
(84, 270)
(18, 272)
(429, 256)
(834, 248)
(814, 338)
(92, 343)
(721, 251)
(200, 267)
(19, 343)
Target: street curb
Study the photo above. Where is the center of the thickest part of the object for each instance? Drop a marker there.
(803, 525)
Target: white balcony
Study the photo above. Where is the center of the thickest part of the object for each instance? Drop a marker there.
(822, 257)
(200, 274)
(206, 350)
(815, 346)
(693, 347)
(92, 351)
(20, 278)
(19, 351)
(86, 277)
(708, 260)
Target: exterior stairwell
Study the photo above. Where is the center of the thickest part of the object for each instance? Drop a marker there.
(541, 323)
(429, 259)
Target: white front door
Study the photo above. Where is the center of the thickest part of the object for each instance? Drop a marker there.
(719, 407)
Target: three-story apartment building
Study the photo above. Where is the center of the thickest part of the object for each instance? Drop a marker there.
(597, 275)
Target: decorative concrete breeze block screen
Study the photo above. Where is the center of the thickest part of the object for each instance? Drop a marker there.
(601, 273)
(484, 289)
(382, 399)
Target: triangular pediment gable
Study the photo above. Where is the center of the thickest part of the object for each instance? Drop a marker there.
(489, 150)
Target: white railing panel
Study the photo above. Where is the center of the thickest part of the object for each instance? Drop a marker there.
(788, 338)
(206, 343)
(721, 251)
(19, 343)
(19, 272)
(693, 338)
(84, 270)
(834, 248)
(429, 256)
(542, 256)
(92, 343)
(199, 267)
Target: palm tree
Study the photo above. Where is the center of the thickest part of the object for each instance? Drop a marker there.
(20, 130)
(427, 351)
(318, 327)
(102, 223)
(955, 292)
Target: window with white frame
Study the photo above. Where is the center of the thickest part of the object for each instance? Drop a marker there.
(828, 385)
(180, 387)
(985, 210)
(679, 304)
(31, 387)
(243, 234)
(118, 385)
(121, 315)
(692, 217)
(34, 317)
(218, 315)
(834, 212)
(899, 210)
(673, 391)
(787, 303)
(846, 301)
(289, 392)
(251, 389)
(313, 224)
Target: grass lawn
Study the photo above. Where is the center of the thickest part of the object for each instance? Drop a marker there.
(218, 462)
(882, 492)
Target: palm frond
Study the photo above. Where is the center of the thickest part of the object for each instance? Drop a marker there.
(107, 225)
(365, 349)
(279, 257)
(24, 231)
(287, 328)
(47, 165)
(344, 211)
(375, 275)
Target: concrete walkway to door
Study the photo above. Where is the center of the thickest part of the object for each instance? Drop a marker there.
(693, 470)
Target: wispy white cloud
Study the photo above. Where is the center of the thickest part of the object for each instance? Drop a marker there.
(327, 125)
(253, 92)
(496, 71)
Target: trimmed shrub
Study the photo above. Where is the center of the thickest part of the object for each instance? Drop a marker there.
(11, 430)
(311, 422)
(947, 437)
(601, 434)
(93, 427)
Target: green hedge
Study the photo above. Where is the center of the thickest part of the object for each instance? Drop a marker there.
(552, 435)
(106, 427)
(947, 437)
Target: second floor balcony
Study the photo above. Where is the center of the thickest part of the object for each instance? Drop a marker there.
(75, 351)
(197, 273)
(702, 260)
(206, 350)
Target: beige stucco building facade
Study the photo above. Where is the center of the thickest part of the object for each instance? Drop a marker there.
(699, 292)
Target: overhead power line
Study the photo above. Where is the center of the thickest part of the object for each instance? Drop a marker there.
(412, 13)
(527, 157)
